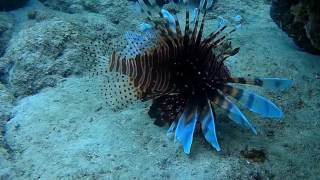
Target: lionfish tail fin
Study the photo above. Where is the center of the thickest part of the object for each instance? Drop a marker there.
(254, 102)
(232, 111)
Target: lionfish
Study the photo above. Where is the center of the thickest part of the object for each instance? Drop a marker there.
(184, 73)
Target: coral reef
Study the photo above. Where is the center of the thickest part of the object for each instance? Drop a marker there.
(6, 104)
(6, 27)
(45, 52)
(7, 5)
(301, 20)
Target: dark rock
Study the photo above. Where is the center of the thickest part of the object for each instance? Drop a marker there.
(301, 20)
(7, 5)
(254, 155)
(32, 14)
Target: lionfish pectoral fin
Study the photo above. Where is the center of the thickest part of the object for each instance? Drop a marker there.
(170, 18)
(254, 102)
(171, 128)
(276, 83)
(232, 111)
(208, 126)
(137, 43)
(185, 128)
(268, 83)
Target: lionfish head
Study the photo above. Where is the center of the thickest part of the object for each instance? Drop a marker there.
(184, 74)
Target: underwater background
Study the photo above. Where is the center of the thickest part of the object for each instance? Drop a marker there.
(55, 123)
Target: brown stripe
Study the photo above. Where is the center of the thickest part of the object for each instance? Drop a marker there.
(178, 30)
(195, 29)
(159, 81)
(164, 80)
(142, 70)
(186, 31)
(199, 36)
(213, 35)
(112, 64)
(167, 83)
(117, 64)
(134, 63)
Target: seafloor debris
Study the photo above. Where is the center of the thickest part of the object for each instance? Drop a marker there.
(254, 155)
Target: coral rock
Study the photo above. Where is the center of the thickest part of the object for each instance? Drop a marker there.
(301, 20)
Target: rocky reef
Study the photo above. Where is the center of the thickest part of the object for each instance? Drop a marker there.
(6, 27)
(301, 20)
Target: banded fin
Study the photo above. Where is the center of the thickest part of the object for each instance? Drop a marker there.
(206, 4)
(185, 128)
(170, 18)
(194, 14)
(268, 83)
(254, 102)
(145, 27)
(233, 112)
(171, 128)
(208, 126)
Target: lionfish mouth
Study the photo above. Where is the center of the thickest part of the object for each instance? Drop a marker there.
(184, 75)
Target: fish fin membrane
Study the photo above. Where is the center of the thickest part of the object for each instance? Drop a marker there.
(268, 83)
(119, 91)
(185, 128)
(95, 58)
(170, 18)
(276, 83)
(208, 126)
(171, 128)
(232, 111)
(137, 44)
(254, 102)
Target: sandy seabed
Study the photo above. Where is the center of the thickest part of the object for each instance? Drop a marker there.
(65, 132)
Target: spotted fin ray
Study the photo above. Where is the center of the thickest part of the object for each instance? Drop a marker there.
(233, 112)
(136, 44)
(254, 102)
(185, 128)
(208, 126)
